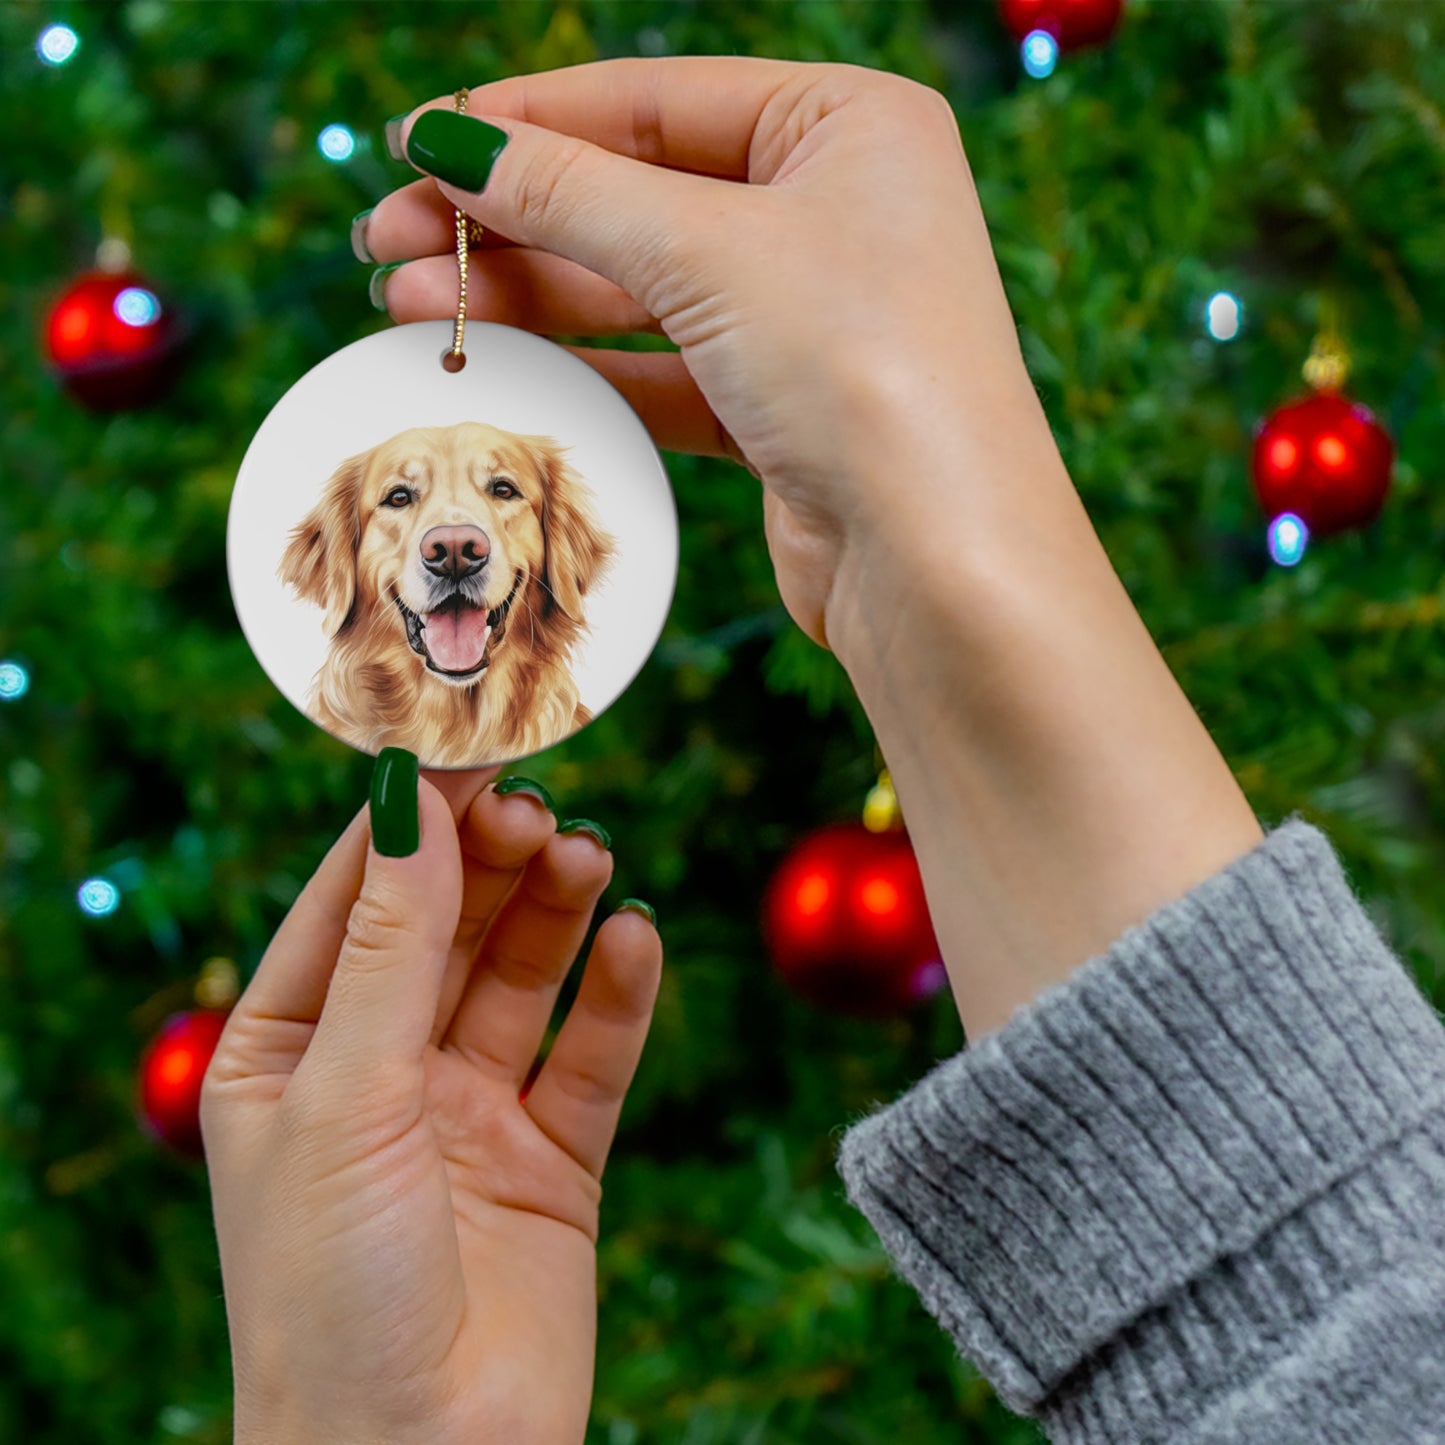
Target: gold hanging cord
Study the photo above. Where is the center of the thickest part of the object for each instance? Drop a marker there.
(469, 233)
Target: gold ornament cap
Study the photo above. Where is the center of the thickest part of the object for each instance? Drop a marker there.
(219, 985)
(1328, 366)
(881, 812)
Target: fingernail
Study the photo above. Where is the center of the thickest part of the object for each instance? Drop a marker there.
(359, 248)
(515, 784)
(586, 825)
(395, 812)
(636, 905)
(376, 288)
(455, 148)
(393, 136)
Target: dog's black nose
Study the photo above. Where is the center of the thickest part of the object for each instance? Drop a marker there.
(455, 552)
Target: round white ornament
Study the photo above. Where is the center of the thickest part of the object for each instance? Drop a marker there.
(468, 564)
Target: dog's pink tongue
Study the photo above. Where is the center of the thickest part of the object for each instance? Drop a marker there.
(456, 639)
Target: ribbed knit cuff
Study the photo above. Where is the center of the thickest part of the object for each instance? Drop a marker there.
(1169, 1151)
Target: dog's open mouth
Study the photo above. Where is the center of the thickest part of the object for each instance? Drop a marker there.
(457, 637)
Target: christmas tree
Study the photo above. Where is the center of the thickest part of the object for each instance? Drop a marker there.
(1179, 213)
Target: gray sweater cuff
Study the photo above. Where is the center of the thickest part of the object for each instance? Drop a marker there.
(1132, 1192)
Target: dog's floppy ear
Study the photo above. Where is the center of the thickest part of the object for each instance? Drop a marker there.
(320, 559)
(578, 550)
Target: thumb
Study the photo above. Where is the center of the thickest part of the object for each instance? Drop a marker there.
(382, 1000)
(623, 219)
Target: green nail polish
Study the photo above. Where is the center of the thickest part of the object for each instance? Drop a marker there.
(392, 133)
(636, 905)
(395, 811)
(359, 248)
(586, 825)
(455, 148)
(376, 288)
(515, 784)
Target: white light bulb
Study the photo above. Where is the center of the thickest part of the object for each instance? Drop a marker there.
(57, 44)
(336, 143)
(1040, 53)
(1223, 316)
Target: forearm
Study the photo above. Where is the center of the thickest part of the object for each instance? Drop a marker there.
(1057, 784)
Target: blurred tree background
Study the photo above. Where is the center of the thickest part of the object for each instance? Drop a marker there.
(1285, 153)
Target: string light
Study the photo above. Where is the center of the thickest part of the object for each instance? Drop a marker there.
(1040, 52)
(930, 977)
(336, 143)
(14, 681)
(1223, 316)
(137, 307)
(1288, 538)
(98, 897)
(57, 44)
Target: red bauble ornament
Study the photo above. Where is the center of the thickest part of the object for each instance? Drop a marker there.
(171, 1072)
(1073, 23)
(847, 923)
(1324, 458)
(112, 341)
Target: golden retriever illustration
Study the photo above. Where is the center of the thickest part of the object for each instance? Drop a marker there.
(451, 563)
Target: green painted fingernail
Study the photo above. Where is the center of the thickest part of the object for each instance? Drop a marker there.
(395, 811)
(359, 248)
(393, 136)
(514, 784)
(586, 825)
(377, 287)
(636, 905)
(455, 148)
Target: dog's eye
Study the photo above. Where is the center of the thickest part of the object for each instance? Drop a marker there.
(503, 488)
(397, 497)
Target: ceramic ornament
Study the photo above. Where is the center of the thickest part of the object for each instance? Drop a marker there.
(470, 564)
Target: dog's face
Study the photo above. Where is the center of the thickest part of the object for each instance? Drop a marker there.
(445, 535)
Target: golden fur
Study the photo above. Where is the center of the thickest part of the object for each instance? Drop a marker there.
(358, 552)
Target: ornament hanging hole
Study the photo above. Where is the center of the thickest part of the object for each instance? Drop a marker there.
(453, 361)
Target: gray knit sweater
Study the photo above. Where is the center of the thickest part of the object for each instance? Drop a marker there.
(1196, 1192)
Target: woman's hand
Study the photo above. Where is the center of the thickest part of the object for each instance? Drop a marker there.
(408, 1246)
(808, 235)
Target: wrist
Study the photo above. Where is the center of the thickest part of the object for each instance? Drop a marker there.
(1057, 784)
(945, 519)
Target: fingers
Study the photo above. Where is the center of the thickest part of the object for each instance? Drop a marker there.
(516, 287)
(689, 113)
(620, 218)
(659, 388)
(271, 1023)
(577, 1098)
(502, 1015)
(289, 986)
(382, 998)
(459, 786)
(417, 220)
(499, 834)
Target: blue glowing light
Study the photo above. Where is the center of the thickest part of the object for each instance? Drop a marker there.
(1040, 53)
(137, 307)
(57, 44)
(14, 681)
(98, 897)
(336, 143)
(1223, 316)
(1288, 538)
